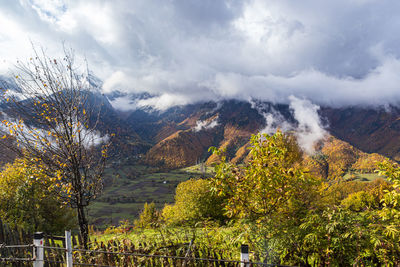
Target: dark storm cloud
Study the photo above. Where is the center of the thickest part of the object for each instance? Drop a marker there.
(332, 52)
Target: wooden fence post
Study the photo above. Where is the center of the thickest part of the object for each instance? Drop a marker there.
(38, 249)
(244, 255)
(68, 247)
(187, 253)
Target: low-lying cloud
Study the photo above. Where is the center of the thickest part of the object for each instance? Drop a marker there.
(307, 125)
(206, 125)
(310, 129)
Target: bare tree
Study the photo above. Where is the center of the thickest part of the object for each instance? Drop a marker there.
(54, 125)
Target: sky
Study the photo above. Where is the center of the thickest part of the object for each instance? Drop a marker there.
(331, 53)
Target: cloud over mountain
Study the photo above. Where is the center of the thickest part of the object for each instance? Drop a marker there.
(331, 52)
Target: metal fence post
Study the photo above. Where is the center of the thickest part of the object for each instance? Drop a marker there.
(244, 255)
(68, 247)
(38, 249)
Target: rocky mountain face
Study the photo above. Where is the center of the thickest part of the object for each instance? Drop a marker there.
(181, 136)
(183, 143)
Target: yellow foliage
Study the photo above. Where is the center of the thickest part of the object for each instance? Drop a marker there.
(273, 181)
(368, 163)
(194, 202)
(29, 198)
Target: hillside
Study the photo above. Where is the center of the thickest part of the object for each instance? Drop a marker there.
(229, 127)
(336, 158)
(371, 130)
(181, 136)
(177, 143)
(152, 148)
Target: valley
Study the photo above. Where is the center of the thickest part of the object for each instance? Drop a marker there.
(153, 151)
(129, 186)
(176, 141)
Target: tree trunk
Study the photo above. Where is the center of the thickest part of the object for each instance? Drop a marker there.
(83, 225)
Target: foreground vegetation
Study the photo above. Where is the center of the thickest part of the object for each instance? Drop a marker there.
(286, 213)
(207, 238)
(54, 128)
(279, 203)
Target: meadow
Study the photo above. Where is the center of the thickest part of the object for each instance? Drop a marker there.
(129, 186)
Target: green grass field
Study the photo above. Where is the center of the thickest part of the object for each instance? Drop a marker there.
(128, 187)
(367, 177)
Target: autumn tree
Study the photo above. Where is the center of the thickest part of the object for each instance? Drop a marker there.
(194, 202)
(362, 230)
(54, 125)
(272, 179)
(269, 194)
(29, 199)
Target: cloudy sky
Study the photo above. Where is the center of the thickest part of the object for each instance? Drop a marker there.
(342, 52)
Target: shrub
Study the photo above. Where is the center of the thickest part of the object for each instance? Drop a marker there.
(194, 202)
(27, 199)
(149, 217)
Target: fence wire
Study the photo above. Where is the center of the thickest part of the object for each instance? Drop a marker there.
(168, 257)
(16, 254)
(186, 260)
(15, 259)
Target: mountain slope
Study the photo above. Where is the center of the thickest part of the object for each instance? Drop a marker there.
(370, 130)
(186, 142)
(181, 136)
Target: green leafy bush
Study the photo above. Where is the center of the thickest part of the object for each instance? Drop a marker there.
(149, 217)
(28, 200)
(194, 202)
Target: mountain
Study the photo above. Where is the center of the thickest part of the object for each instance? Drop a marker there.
(181, 136)
(335, 158)
(150, 147)
(371, 130)
(184, 142)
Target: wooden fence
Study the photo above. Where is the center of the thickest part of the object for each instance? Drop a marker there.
(13, 235)
(17, 248)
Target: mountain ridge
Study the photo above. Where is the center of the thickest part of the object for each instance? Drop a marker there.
(181, 136)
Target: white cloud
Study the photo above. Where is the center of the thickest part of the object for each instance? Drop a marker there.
(205, 125)
(164, 101)
(123, 103)
(274, 120)
(307, 125)
(310, 129)
(333, 53)
(379, 87)
(116, 81)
